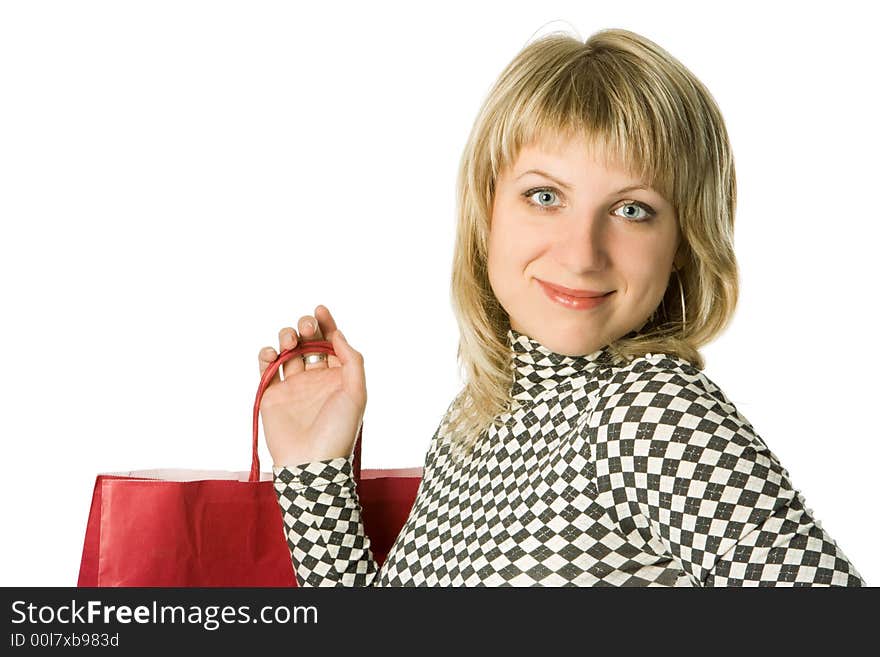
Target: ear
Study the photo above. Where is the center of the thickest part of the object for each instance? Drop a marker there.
(679, 259)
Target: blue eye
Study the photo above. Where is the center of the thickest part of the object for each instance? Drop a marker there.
(638, 206)
(542, 190)
(551, 192)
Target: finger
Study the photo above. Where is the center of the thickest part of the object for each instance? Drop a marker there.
(326, 321)
(288, 339)
(266, 357)
(328, 328)
(310, 331)
(353, 376)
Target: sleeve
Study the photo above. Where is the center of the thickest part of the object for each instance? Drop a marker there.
(686, 466)
(322, 523)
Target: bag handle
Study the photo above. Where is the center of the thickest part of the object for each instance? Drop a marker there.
(314, 346)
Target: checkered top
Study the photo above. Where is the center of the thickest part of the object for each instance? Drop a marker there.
(643, 474)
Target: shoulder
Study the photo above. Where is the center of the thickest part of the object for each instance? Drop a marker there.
(662, 398)
(658, 381)
(662, 427)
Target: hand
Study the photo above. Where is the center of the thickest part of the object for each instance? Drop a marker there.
(316, 411)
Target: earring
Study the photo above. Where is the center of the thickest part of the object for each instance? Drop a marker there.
(681, 289)
(663, 305)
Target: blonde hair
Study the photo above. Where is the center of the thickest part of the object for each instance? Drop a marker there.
(650, 116)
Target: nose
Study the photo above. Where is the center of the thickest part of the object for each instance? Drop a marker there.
(580, 245)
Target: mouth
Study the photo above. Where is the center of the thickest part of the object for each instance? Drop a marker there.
(575, 293)
(572, 302)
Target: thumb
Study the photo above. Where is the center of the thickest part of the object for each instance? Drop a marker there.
(351, 359)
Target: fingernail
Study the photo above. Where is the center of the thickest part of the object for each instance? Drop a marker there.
(314, 326)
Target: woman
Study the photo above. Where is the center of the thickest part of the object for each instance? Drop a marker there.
(594, 256)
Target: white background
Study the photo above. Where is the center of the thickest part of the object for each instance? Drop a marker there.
(179, 180)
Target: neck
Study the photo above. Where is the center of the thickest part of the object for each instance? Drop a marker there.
(537, 369)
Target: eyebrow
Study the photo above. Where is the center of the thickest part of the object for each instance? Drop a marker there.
(567, 186)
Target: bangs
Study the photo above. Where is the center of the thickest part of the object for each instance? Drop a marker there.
(622, 118)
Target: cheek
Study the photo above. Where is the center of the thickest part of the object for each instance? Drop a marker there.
(645, 270)
(505, 245)
(509, 258)
(495, 260)
(498, 263)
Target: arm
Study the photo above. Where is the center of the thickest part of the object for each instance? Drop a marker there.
(322, 519)
(323, 525)
(690, 469)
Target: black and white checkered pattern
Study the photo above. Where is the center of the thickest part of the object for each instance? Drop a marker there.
(602, 475)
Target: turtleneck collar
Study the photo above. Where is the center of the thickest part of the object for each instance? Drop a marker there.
(537, 369)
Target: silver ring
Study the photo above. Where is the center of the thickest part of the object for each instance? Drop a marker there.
(314, 358)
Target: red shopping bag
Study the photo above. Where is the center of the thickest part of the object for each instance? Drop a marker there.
(176, 527)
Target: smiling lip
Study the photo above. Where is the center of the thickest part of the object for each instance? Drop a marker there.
(570, 292)
(573, 302)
